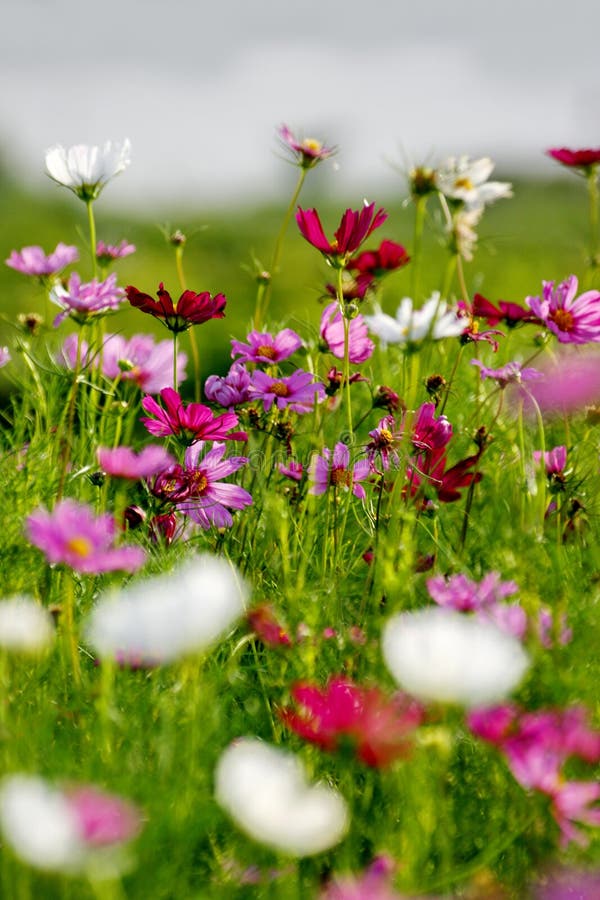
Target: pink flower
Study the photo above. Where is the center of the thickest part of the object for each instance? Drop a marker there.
(298, 391)
(190, 309)
(103, 819)
(574, 320)
(123, 462)
(326, 472)
(191, 423)
(307, 151)
(483, 598)
(263, 621)
(373, 884)
(71, 534)
(510, 373)
(575, 159)
(232, 390)
(572, 802)
(568, 884)
(385, 442)
(546, 629)
(379, 726)
(264, 348)
(570, 383)
(293, 470)
(5, 356)
(430, 432)
(555, 460)
(205, 498)
(106, 253)
(142, 361)
(80, 301)
(33, 260)
(360, 347)
(354, 228)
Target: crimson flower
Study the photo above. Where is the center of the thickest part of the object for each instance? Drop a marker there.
(191, 308)
(510, 314)
(191, 423)
(387, 258)
(354, 228)
(575, 159)
(379, 726)
(447, 483)
(263, 621)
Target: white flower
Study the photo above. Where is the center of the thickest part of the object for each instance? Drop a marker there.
(265, 791)
(463, 226)
(84, 169)
(24, 625)
(434, 319)
(443, 655)
(462, 178)
(161, 619)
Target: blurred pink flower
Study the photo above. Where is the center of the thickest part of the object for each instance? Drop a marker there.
(5, 356)
(33, 260)
(263, 621)
(373, 884)
(569, 384)
(123, 462)
(360, 346)
(106, 253)
(555, 460)
(103, 819)
(308, 152)
(140, 359)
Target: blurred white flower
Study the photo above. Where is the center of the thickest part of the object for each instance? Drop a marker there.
(265, 791)
(25, 626)
(434, 319)
(71, 830)
(84, 169)
(462, 178)
(161, 619)
(442, 655)
(463, 228)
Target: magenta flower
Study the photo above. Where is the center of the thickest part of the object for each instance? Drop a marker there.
(379, 726)
(80, 301)
(123, 462)
(546, 629)
(191, 423)
(574, 320)
(264, 623)
(483, 598)
(292, 470)
(373, 884)
(298, 391)
(33, 260)
(326, 471)
(206, 499)
(510, 373)
(510, 314)
(575, 159)
(360, 346)
(572, 802)
(71, 534)
(230, 391)
(555, 460)
(103, 819)
(308, 152)
(570, 383)
(354, 228)
(190, 309)
(142, 361)
(430, 432)
(264, 348)
(106, 253)
(384, 443)
(389, 257)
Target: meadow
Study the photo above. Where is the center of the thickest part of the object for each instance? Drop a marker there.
(301, 590)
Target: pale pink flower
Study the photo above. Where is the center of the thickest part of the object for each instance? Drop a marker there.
(80, 301)
(334, 470)
(123, 462)
(360, 346)
(33, 260)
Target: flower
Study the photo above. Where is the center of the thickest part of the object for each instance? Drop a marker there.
(298, 391)
(571, 382)
(5, 356)
(106, 253)
(167, 617)
(575, 159)
(360, 347)
(510, 373)
(25, 625)
(574, 320)
(378, 726)
(568, 884)
(354, 228)
(62, 829)
(430, 432)
(203, 496)
(190, 309)
(308, 152)
(265, 792)
(465, 179)
(191, 423)
(33, 260)
(71, 534)
(264, 348)
(85, 170)
(441, 655)
(374, 884)
(387, 258)
(511, 314)
(293, 470)
(435, 320)
(484, 599)
(123, 462)
(326, 471)
(81, 301)
(430, 469)
(263, 621)
(230, 391)
(555, 460)
(146, 363)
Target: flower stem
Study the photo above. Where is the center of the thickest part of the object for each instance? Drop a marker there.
(420, 209)
(93, 242)
(346, 321)
(192, 333)
(174, 360)
(592, 181)
(69, 624)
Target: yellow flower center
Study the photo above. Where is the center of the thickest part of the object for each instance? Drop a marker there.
(266, 350)
(386, 436)
(311, 145)
(563, 319)
(465, 183)
(80, 546)
(199, 482)
(280, 389)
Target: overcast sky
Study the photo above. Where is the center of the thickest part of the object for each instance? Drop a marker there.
(200, 87)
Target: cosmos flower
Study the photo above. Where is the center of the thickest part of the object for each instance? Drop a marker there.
(555, 460)
(191, 423)
(484, 599)
(263, 348)
(169, 616)
(206, 499)
(360, 347)
(354, 228)
(142, 360)
(465, 179)
(510, 314)
(575, 159)
(308, 152)
(297, 391)
(329, 470)
(33, 260)
(570, 383)
(373, 884)
(190, 309)
(265, 791)
(231, 390)
(387, 258)
(64, 829)
(574, 320)
(80, 301)
(106, 253)
(440, 655)
(435, 320)
(123, 462)
(72, 535)
(86, 170)
(25, 625)
(379, 727)
(264, 623)
(510, 373)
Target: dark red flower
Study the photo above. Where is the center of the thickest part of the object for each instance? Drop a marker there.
(263, 622)
(354, 228)
(575, 159)
(510, 314)
(191, 308)
(387, 258)
(378, 725)
(447, 483)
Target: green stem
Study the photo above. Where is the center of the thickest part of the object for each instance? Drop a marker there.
(346, 321)
(174, 360)
(420, 209)
(70, 418)
(93, 242)
(592, 181)
(69, 624)
(193, 342)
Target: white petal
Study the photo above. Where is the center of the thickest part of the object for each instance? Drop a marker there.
(24, 625)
